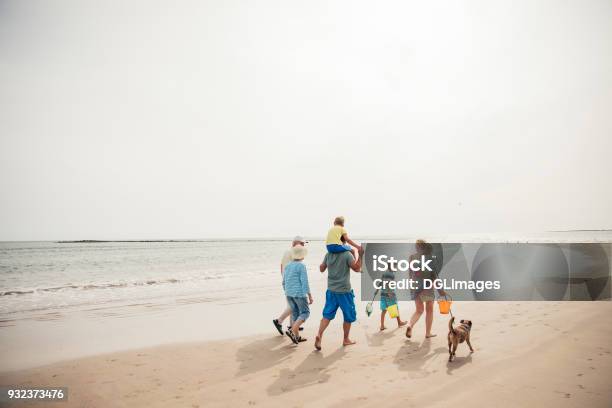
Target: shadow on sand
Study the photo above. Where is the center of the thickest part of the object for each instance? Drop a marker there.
(261, 354)
(315, 369)
(457, 362)
(413, 357)
(377, 339)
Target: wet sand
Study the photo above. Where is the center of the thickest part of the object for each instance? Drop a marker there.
(527, 354)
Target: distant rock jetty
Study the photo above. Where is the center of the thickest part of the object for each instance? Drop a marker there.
(97, 241)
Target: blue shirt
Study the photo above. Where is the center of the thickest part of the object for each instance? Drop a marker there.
(295, 280)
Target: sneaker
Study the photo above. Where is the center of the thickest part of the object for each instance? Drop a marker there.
(278, 326)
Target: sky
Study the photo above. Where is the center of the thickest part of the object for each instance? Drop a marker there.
(133, 119)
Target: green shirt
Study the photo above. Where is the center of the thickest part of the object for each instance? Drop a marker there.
(338, 271)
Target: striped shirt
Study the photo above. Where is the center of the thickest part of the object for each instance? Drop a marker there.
(295, 280)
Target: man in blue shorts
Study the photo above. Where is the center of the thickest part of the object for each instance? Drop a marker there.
(339, 292)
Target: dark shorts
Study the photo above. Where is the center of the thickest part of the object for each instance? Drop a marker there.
(344, 301)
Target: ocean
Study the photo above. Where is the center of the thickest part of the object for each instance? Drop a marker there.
(55, 276)
(52, 276)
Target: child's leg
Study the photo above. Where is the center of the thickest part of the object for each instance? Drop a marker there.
(382, 319)
(296, 327)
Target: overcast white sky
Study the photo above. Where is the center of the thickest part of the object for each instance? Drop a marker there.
(194, 119)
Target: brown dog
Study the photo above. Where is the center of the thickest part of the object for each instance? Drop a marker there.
(458, 335)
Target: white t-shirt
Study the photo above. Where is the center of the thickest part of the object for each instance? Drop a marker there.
(286, 259)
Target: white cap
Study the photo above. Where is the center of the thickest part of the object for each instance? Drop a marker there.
(298, 238)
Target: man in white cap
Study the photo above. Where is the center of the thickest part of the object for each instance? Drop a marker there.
(287, 257)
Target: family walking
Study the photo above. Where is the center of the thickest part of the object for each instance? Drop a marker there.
(343, 255)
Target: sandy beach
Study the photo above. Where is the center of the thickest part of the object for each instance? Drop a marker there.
(527, 354)
(175, 175)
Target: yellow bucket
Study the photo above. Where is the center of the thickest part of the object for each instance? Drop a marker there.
(444, 305)
(393, 311)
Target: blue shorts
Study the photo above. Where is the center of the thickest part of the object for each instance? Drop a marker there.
(344, 301)
(385, 302)
(336, 249)
(299, 308)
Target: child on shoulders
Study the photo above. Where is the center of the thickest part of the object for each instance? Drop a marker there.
(338, 240)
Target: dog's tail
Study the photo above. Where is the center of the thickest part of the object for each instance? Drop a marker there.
(450, 325)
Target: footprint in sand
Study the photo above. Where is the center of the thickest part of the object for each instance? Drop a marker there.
(579, 375)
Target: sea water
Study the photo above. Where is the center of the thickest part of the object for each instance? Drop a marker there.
(48, 276)
(61, 276)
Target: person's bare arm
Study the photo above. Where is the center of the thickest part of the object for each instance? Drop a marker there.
(322, 267)
(350, 241)
(356, 265)
(281, 269)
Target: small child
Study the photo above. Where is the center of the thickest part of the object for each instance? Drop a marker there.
(295, 282)
(338, 240)
(388, 298)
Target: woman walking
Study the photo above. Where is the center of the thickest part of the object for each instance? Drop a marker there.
(423, 298)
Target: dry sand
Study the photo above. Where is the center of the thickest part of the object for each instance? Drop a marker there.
(527, 354)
